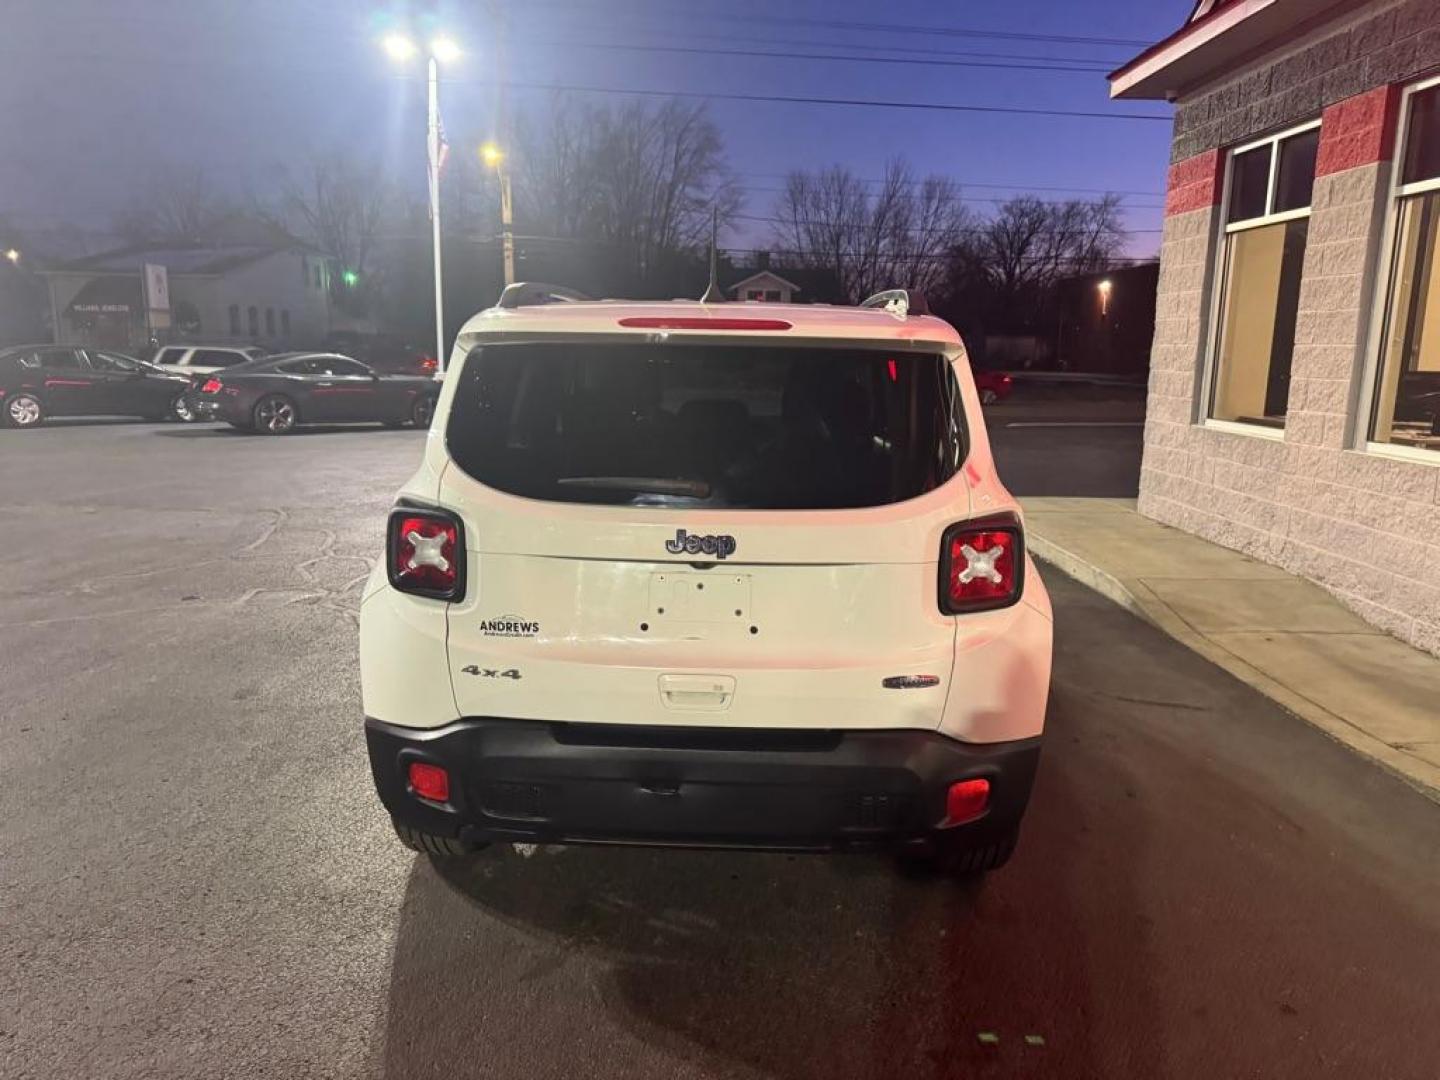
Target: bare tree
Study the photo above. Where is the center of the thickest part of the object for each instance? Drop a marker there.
(641, 178)
(898, 235)
(1001, 278)
(339, 205)
(1029, 244)
(179, 205)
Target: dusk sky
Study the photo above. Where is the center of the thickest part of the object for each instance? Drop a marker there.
(99, 96)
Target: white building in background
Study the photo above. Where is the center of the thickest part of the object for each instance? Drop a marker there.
(272, 297)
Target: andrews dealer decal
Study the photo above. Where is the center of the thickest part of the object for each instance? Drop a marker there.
(509, 626)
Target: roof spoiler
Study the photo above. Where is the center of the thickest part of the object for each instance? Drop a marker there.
(900, 302)
(534, 293)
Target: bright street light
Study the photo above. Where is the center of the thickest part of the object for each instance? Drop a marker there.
(1105, 287)
(12, 255)
(491, 155)
(399, 46)
(444, 50)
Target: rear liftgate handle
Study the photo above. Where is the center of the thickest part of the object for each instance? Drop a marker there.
(697, 693)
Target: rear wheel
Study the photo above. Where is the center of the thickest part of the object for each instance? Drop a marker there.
(275, 414)
(957, 857)
(437, 847)
(988, 397)
(24, 410)
(182, 409)
(423, 411)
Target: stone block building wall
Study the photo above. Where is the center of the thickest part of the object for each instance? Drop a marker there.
(1363, 525)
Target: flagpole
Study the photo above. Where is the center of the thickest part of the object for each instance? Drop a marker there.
(433, 146)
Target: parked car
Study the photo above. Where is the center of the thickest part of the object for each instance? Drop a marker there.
(993, 386)
(40, 381)
(276, 394)
(383, 352)
(677, 576)
(203, 359)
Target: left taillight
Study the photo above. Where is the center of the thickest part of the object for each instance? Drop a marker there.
(425, 553)
(211, 386)
(982, 565)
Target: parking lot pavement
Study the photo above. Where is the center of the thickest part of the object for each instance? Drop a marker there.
(197, 881)
(1051, 443)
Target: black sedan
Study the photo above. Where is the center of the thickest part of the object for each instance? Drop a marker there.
(274, 395)
(38, 381)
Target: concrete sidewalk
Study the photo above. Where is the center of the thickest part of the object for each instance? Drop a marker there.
(1282, 635)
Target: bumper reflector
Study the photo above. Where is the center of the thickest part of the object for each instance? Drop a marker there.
(965, 801)
(429, 781)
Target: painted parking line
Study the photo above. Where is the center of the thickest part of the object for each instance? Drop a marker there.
(1076, 423)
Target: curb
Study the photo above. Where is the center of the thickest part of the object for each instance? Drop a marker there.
(1141, 602)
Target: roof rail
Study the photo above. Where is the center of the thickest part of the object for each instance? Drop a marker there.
(900, 302)
(533, 293)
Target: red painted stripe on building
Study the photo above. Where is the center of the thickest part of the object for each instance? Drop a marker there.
(1193, 184)
(1358, 131)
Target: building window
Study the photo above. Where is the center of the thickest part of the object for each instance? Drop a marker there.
(269, 322)
(755, 294)
(234, 320)
(253, 315)
(772, 295)
(285, 323)
(1407, 400)
(1267, 219)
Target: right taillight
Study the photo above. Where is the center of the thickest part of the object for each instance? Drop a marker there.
(982, 564)
(211, 386)
(425, 553)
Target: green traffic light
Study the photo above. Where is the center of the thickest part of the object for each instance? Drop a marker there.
(351, 278)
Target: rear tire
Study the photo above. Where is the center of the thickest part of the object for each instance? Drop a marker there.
(275, 414)
(423, 411)
(24, 410)
(437, 847)
(988, 397)
(957, 858)
(182, 410)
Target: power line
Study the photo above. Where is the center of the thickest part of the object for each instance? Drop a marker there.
(1089, 69)
(967, 230)
(977, 184)
(989, 199)
(893, 28)
(932, 106)
(810, 42)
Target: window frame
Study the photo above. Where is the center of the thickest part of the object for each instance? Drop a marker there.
(1220, 265)
(1363, 437)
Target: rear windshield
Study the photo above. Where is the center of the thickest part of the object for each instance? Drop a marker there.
(775, 427)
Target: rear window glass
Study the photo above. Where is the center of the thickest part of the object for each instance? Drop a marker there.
(742, 426)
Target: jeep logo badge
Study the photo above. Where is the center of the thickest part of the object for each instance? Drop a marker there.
(689, 544)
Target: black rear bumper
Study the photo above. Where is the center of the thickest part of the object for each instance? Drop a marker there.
(539, 782)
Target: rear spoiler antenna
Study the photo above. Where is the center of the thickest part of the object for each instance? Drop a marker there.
(713, 293)
(901, 302)
(533, 293)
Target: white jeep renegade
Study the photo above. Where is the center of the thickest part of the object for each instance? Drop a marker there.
(725, 575)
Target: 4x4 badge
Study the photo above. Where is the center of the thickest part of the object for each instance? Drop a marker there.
(686, 543)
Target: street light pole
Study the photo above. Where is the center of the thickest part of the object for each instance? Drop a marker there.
(441, 50)
(432, 140)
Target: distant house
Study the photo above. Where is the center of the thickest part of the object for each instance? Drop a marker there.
(760, 283)
(765, 285)
(272, 296)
